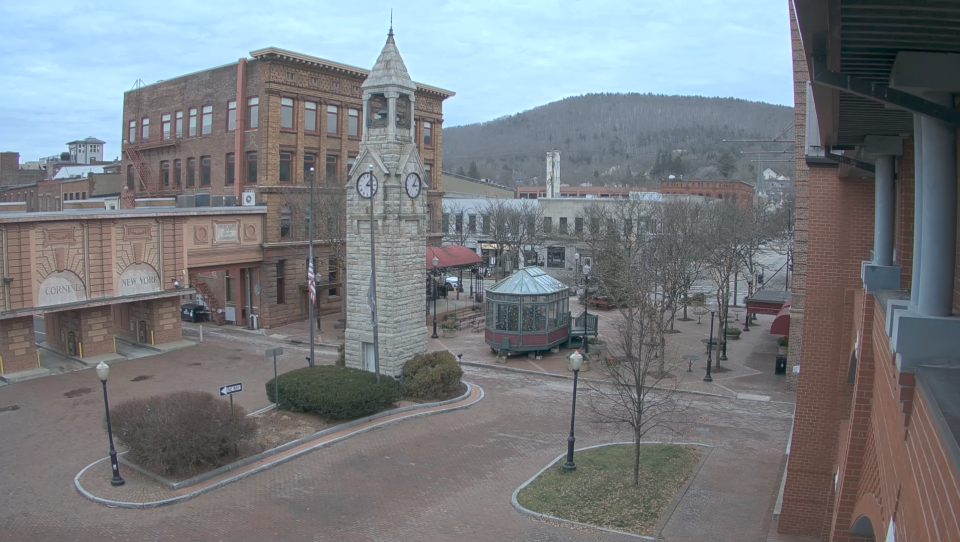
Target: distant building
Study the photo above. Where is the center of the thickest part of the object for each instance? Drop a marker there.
(11, 174)
(709, 189)
(461, 186)
(86, 151)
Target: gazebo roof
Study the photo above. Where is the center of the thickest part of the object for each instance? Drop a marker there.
(528, 281)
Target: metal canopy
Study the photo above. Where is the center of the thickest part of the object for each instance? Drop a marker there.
(861, 38)
(528, 281)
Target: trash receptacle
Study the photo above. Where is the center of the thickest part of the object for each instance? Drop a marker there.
(781, 368)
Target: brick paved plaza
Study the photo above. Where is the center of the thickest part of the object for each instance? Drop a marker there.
(443, 477)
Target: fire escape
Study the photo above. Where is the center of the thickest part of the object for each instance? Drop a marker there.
(139, 151)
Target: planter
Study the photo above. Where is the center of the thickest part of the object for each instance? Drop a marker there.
(449, 333)
(733, 336)
(502, 359)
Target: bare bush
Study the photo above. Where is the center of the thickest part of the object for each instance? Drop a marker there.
(180, 433)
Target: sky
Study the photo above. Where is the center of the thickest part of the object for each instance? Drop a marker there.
(66, 65)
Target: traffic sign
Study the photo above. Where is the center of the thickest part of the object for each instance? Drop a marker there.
(275, 351)
(232, 388)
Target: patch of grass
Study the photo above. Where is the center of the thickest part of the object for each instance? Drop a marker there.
(601, 491)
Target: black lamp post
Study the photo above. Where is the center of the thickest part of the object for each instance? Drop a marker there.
(103, 371)
(576, 360)
(709, 378)
(723, 341)
(435, 262)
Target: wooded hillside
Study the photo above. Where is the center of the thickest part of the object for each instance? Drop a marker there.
(631, 139)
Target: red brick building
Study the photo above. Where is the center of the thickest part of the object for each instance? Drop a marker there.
(875, 332)
(260, 124)
(706, 188)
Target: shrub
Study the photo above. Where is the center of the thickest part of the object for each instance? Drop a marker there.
(733, 332)
(431, 376)
(783, 342)
(336, 393)
(180, 433)
(341, 356)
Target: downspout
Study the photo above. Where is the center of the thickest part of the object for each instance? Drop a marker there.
(163, 284)
(240, 128)
(86, 258)
(3, 270)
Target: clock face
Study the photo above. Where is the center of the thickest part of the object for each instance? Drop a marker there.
(367, 185)
(413, 185)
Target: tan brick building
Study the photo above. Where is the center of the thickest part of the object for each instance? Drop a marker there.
(259, 125)
(875, 314)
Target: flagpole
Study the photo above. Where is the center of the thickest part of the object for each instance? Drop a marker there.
(373, 290)
(311, 272)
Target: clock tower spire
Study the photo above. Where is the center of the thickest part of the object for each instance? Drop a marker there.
(385, 192)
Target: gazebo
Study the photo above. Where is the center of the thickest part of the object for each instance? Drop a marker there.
(528, 311)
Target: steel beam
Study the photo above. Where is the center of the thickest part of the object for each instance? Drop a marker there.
(841, 159)
(881, 93)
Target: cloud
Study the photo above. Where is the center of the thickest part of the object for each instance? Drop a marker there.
(66, 64)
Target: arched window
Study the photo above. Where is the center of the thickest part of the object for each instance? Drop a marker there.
(285, 220)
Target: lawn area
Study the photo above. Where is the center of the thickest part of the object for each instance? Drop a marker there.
(601, 491)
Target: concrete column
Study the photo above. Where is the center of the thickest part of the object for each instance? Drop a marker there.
(883, 211)
(917, 209)
(939, 241)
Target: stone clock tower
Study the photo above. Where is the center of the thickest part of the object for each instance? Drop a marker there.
(388, 174)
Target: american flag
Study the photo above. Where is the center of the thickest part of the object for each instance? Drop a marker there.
(311, 283)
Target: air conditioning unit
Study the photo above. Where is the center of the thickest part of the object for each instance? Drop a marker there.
(249, 198)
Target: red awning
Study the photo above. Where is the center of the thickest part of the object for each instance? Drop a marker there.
(781, 324)
(452, 256)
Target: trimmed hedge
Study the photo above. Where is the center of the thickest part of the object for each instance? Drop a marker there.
(180, 433)
(432, 376)
(337, 393)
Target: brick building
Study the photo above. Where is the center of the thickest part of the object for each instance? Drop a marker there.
(705, 188)
(874, 328)
(260, 124)
(70, 183)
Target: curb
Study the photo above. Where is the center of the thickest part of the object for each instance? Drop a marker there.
(537, 515)
(280, 449)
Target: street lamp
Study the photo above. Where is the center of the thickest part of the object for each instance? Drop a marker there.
(723, 339)
(576, 360)
(103, 371)
(435, 262)
(311, 277)
(586, 315)
(709, 378)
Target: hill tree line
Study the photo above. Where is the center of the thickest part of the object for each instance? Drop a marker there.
(621, 139)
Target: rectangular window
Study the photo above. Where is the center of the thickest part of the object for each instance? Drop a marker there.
(178, 124)
(486, 223)
(310, 117)
(578, 225)
(333, 292)
(332, 268)
(286, 222)
(547, 224)
(131, 131)
(309, 163)
(191, 171)
(145, 129)
(472, 224)
(252, 167)
(229, 177)
(627, 227)
(131, 177)
(563, 225)
(285, 158)
(427, 134)
(205, 171)
(333, 120)
(84, 196)
(428, 174)
(286, 113)
(331, 168)
(281, 295)
(289, 76)
(165, 126)
(459, 224)
(165, 172)
(56, 200)
(313, 81)
(207, 126)
(176, 171)
(556, 257)
(253, 113)
(231, 115)
(353, 128)
(192, 123)
(445, 223)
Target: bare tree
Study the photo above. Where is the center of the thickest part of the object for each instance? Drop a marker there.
(640, 393)
(514, 226)
(456, 231)
(679, 248)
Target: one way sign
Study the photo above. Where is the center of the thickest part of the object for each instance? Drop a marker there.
(232, 388)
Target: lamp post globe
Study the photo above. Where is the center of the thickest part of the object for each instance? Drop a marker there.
(435, 262)
(103, 373)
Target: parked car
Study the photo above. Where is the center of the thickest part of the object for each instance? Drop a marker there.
(453, 283)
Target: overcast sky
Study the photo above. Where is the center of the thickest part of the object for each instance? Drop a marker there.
(65, 65)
